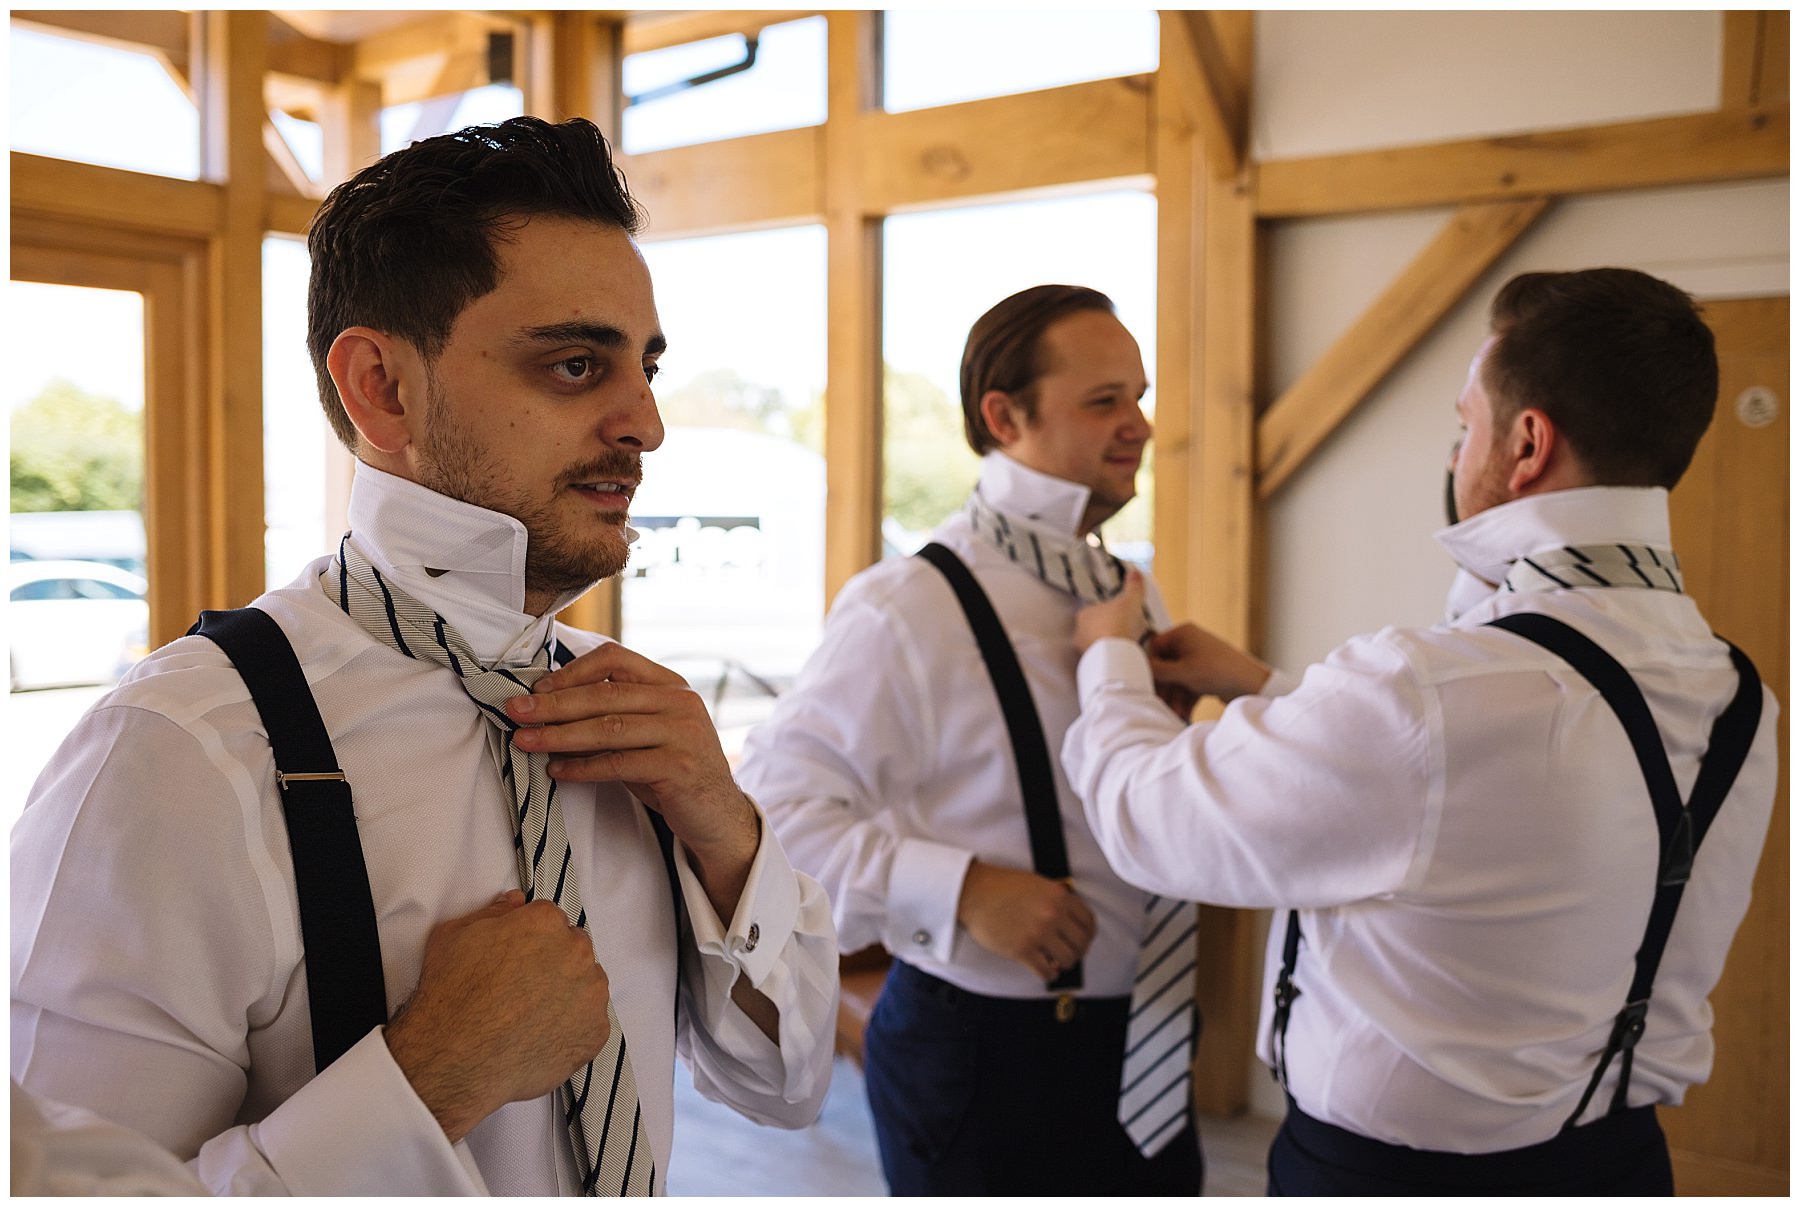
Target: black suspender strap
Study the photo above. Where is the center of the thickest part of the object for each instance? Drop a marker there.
(1680, 827)
(1285, 994)
(1043, 820)
(337, 914)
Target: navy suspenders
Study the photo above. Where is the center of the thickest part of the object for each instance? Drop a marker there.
(344, 979)
(337, 914)
(1680, 828)
(1037, 782)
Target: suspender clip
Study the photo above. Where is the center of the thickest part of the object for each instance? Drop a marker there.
(1286, 993)
(284, 778)
(1628, 1028)
(1065, 1007)
(1678, 856)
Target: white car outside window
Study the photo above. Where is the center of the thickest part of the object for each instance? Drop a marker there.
(73, 622)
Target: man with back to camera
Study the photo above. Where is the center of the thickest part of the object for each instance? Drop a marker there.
(893, 771)
(484, 333)
(1471, 992)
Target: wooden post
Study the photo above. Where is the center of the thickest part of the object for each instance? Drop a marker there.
(853, 404)
(350, 120)
(1206, 515)
(233, 54)
(577, 64)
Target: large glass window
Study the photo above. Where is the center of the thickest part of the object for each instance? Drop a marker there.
(402, 125)
(100, 104)
(943, 270)
(76, 613)
(783, 89)
(296, 437)
(726, 581)
(942, 55)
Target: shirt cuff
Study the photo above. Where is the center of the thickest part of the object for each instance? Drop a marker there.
(924, 886)
(1112, 660)
(765, 914)
(358, 1128)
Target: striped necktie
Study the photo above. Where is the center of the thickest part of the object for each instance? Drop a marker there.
(1569, 566)
(600, 1102)
(1154, 1097)
(1082, 568)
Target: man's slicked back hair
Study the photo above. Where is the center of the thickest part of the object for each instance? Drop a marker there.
(1619, 360)
(1005, 351)
(407, 243)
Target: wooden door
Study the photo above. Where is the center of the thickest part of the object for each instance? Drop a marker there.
(1730, 517)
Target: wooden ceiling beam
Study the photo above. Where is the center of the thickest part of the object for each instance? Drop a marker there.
(658, 31)
(164, 32)
(1394, 324)
(1703, 148)
(430, 38)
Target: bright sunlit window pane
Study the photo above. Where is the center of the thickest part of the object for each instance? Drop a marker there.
(76, 614)
(305, 139)
(295, 433)
(784, 90)
(100, 104)
(726, 582)
(941, 56)
(943, 271)
(403, 125)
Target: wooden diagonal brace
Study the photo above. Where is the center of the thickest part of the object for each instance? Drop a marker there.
(1339, 381)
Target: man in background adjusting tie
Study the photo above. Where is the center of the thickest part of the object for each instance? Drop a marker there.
(484, 334)
(1469, 830)
(996, 1057)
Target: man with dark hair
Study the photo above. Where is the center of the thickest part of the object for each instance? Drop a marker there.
(1007, 1054)
(567, 885)
(1513, 848)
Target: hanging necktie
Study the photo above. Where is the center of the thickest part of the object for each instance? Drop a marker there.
(1154, 1096)
(1568, 566)
(600, 1102)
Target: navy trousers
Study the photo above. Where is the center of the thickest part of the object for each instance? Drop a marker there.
(1622, 1154)
(994, 1096)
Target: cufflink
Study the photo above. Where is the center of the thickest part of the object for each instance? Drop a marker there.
(922, 938)
(751, 939)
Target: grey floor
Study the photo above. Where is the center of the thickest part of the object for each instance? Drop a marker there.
(718, 1153)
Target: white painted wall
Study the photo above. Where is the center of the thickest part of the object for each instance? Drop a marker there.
(1350, 546)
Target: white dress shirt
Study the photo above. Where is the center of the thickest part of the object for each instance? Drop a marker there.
(157, 963)
(1462, 824)
(887, 767)
(63, 1150)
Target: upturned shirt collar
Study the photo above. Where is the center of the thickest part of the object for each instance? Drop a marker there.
(1487, 544)
(466, 563)
(1018, 490)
